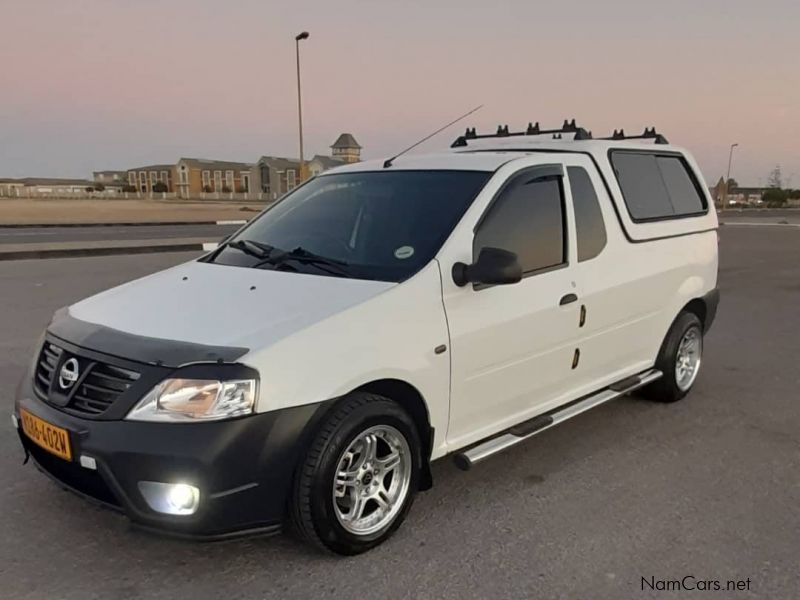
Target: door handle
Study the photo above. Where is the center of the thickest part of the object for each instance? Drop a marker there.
(568, 299)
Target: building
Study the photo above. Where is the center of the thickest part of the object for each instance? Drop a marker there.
(275, 176)
(737, 195)
(346, 148)
(43, 186)
(321, 163)
(144, 179)
(11, 187)
(110, 179)
(196, 175)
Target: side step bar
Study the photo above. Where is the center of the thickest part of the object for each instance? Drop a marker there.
(527, 429)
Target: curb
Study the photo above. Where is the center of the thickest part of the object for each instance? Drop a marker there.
(107, 251)
(142, 224)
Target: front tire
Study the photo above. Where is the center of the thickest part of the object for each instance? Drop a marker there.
(679, 360)
(357, 481)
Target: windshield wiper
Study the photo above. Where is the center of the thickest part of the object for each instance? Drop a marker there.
(301, 255)
(253, 248)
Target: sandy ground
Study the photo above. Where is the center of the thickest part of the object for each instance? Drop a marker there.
(46, 211)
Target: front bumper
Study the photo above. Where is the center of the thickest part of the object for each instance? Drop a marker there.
(243, 467)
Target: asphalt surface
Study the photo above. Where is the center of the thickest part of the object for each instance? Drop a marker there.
(33, 235)
(708, 487)
(758, 216)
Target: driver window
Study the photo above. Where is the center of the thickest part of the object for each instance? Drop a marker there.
(527, 218)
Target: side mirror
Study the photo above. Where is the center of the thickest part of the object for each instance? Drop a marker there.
(493, 267)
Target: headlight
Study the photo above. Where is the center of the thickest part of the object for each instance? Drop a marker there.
(188, 400)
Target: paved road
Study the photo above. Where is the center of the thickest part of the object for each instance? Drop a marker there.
(752, 216)
(708, 487)
(25, 235)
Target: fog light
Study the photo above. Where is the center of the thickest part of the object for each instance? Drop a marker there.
(170, 498)
(183, 497)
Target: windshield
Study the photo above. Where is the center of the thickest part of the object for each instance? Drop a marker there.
(368, 225)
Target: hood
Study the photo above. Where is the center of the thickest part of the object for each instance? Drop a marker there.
(219, 305)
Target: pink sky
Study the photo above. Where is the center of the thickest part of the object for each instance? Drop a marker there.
(105, 84)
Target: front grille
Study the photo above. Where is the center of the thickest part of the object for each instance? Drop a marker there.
(102, 385)
(99, 383)
(46, 368)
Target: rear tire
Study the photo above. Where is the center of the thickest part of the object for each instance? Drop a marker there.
(679, 360)
(357, 481)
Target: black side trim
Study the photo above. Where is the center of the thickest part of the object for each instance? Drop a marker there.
(155, 351)
(265, 531)
(531, 425)
(621, 386)
(711, 300)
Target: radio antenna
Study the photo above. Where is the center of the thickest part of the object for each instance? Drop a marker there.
(388, 162)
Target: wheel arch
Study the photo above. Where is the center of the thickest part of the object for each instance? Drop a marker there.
(704, 307)
(409, 397)
(696, 306)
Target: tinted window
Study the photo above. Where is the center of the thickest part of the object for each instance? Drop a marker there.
(589, 225)
(385, 225)
(527, 218)
(656, 187)
(680, 187)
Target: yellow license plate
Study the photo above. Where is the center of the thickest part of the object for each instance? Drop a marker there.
(51, 438)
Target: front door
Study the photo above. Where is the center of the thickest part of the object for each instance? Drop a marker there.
(513, 346)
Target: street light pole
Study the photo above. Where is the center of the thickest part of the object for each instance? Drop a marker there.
(728, 178)
(297, 38)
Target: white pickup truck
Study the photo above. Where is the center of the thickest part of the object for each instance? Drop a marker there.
(381, 316)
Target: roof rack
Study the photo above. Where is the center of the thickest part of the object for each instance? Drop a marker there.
(533, 129)
(567, 127)
(649, 134)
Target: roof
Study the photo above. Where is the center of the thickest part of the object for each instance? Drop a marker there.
(153, 168)
(474, 161)
(489, 154)
(748, 190)
(279, 163)
(346, 140)
(328, 162)
(205, 163)
(30, 181)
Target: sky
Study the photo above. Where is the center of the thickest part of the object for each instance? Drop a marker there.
(112, 84)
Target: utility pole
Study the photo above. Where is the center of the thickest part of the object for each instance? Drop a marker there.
(297, 38)
(728, 178)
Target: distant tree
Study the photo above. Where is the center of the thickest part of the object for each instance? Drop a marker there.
(226, 189)
(732, 185)
(775, 197)
(775, 178)
(128, 188)
(160, 187)
(89, 189)
(99, 187)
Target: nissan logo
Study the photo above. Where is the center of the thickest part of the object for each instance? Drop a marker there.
(69, 373)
